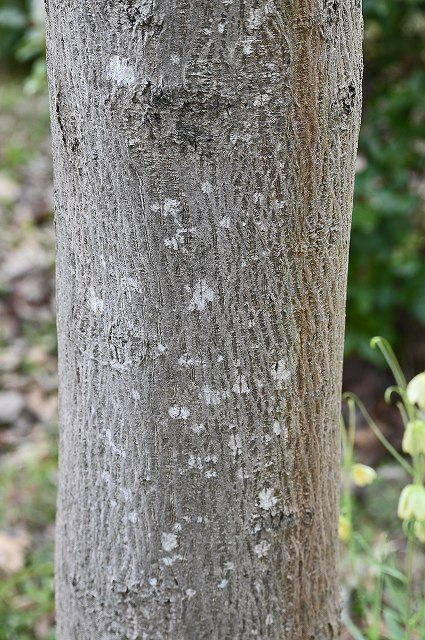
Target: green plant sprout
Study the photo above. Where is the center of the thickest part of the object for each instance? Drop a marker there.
(395, 609)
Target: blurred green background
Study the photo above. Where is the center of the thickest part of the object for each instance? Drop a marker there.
(386, 290)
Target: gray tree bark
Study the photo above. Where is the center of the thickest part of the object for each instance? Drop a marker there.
(204, 159)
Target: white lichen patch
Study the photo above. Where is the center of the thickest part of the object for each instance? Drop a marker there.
(160, 348)
(280, 373)
(195, 462)
(235, 444)
(190, 593)
(172, 243)
(212, 396)
(255, 19)
(95, 302)
(267, 500)
(240, 386)
(202, 519)
(168, 561)
(241, 474)
(186, 360)
(176, 242)
(206, 187)
(229, 566)
(277, 430)
(210, 473)
(259, 198)
(178, 412)
(169, 541)
(198, 428)
(261, 100)
(130, 282)
(135, 395)
(269, 620)
(121, 366)
(262, 548)
(172, 208)
(247, 48)
(211, 458)
(133, 517)
(175, 58)
(280, 204)
(120, 72)
(224, 222)
(223, 584)
(116, 450)
(125, 494)
(202, 295)
(130, 285)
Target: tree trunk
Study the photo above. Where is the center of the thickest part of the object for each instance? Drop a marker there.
(204, 159)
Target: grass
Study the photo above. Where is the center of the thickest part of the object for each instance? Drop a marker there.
(27, 499)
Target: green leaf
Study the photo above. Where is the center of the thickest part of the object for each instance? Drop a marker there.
(12, 18)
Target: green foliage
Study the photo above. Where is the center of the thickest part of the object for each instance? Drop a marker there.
(26, 598)
(27, 503)
(14, 16)
(22, 40)
(387, 266)
(385, 599)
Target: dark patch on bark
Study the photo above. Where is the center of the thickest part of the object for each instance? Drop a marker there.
(349, 98)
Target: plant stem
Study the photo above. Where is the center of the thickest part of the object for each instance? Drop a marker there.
(377, 602)
(409, 586)
(389, 355)
(378, 433)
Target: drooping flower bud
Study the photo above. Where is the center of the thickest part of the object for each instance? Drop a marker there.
(414, 437)
(411, 504)
(362, 475)
(416, 390)
(419, 529)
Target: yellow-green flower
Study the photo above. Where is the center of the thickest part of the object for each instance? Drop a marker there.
(411, 504)
(344, 528)
(419, 529)
(362, 475)
(416, 390)
(414, 437)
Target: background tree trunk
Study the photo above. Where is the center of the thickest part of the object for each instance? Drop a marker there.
(204, 159)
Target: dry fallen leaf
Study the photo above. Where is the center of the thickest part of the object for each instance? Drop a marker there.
(11, 405)
(12, 551)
